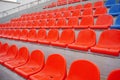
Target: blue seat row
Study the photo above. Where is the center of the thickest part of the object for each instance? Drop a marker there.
(117, 23)
(109, 3)
(115, 10)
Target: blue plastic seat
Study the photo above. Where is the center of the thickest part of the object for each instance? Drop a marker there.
(115, 10)
(117, 23)
(109, 3)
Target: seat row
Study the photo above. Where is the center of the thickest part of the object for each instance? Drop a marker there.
(87, 5)
(86, 39)
(110, 3)
(72, 22)
(33, 67)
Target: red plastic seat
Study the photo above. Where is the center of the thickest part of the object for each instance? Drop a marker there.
(88, 5)
(98, 4)
(53, 36)
(50, 15)
(100, 11)
(58, 15)
(86, 39)
(61, 22)
(19, 60)
(55, 69)
(43, 23)
(114, 75)
(36, 23)
(76, 13)
(87, 12)
(24, 35)
(11, 34)
(66, 14)
(11, 54)
(17, 34)
(86, 22)
(41, 35)
(34, 64)
(109, 43)
(3, 49)
(79, 6)
(32, 35)
(62, 9)
(82, 69)
(103, 24)
(71, 8)
(72, 22)
(51, 23)
(67, 37)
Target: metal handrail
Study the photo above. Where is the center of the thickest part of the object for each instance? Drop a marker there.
(21, 7)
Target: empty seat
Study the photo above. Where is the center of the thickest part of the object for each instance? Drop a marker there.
(109, 43)
(114, 75)
(115, 10)
(19, 60)
(103, 24)
(100, 11)
(88, 5)
(71, 8)
(24, 34)
(110, 3)
(58, 15)
(32, 35)
(82, 69)
(34, 64)
(3, 49)
(43, 23)
(41, 35)
(17, 34)
(72, 22)
(98, 4)
(117, 23)
(79, 6)
(36, 23)
(61, 22)
(86, 22)
(55, 69)
(62, 9)
(76, 13)
(85, 39)
(87, 12)
(66, 14)
(11, 54)
(52, 36)
(67, 37)
(51, 23)
(50, 15)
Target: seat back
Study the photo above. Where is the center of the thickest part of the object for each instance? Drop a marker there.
(56, 64)
(67, 36)
(24, 34)
(37, 58)
(43, 22)
(100, 10)
(71, 8)
(115, 9)
(61, 22)
(110, 2)
(66, 14)
(74, 21)
(79, 6)
(87, 20)
(51, 22)
(32, 34)
(87, 12)
(12, 51)
(82, 69)
(110, 39)
(88, 5)
(41, 34)
(87, 37)
(98, 4)
(4, 48)
(53, 35)
(114, 75)
(58, 14)
(108, 20)
(76, 12)
(18, 33)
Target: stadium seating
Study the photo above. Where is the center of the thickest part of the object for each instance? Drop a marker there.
(11, 54)
(86, 39)
(66, 14)
(17, 34)
(34, 64)
(98, 4)
(51, 23)
(55, 71)
(85, 22)
(79, 6)
(61, 22)
(3, 49)
(52, 36)
(100, 11)
(88, 5)
(109, 43)
(72, 22)
(110, 3)
(114, 75)
(117, 23)
(24, 35)
(82, 69)
(58, 15)
(76, 13)
(32, 35)
(103, 24)
(19, 60)
(67, 37)
(115, 10)
(87, 12)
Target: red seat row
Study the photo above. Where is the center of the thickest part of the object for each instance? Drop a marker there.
(73, 22)
(33, 66)
(86, 39)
